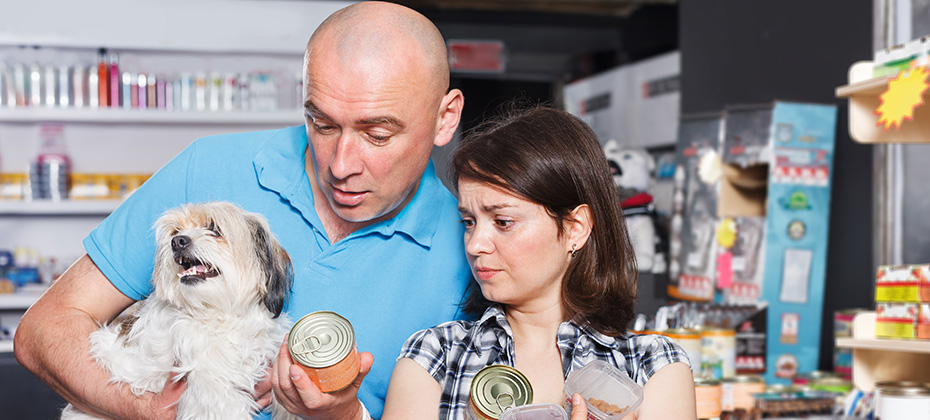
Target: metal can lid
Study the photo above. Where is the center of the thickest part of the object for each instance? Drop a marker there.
(321, 339)
(713, 332)
(682, 333)
(911, 391)
(745, 379)
(705, 381)
(499, 387)
(884, 385)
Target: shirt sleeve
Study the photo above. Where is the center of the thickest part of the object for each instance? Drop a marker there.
(654, 352)
(123, 245)
(426, 348)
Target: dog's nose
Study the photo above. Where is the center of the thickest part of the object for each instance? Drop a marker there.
(180, 242)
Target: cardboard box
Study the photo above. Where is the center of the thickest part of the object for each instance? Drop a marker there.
(902, 320)
(903, 283)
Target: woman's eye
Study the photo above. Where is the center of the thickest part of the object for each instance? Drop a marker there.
(468, 223)
(503, 223)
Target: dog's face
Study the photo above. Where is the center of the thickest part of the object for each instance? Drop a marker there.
(216, 255)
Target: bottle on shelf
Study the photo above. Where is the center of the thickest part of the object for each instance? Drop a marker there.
(103, 79)
(51, 171)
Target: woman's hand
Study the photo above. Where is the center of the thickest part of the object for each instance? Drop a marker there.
(579, 408)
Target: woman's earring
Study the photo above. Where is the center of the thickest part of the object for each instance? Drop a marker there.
(574, 250)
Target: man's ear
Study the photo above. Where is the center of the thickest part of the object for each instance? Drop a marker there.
(450, 112)
(579, 224)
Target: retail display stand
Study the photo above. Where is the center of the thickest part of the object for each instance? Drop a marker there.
(754, 220)
(880, 359)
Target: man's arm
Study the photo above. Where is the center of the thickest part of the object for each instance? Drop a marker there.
(52, 341)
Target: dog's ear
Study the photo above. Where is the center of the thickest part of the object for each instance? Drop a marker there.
(276, 266)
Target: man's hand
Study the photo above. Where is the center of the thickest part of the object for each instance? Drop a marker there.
(298, 395)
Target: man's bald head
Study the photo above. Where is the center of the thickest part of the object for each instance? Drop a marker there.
(374, 29)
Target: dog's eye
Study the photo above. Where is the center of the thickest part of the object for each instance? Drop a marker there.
(214, 231)
(174, 232)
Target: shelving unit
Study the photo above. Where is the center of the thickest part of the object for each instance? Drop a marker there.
(863, 92)
(37, 115)
(58, 208)
(877, 359)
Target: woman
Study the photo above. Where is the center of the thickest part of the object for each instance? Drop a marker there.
(548, 248)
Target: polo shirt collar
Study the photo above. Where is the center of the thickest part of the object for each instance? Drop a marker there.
(280, 167)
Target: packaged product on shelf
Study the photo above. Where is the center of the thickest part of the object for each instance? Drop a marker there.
(49, 86)
(13, 186)
(89, 186)
(35, 85)
(51, 171)
(79, 86)
(20, 75)
(903, 283)
(64, 86)
(902, 320)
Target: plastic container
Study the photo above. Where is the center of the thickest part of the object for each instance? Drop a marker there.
(608, 392)
(541, 411)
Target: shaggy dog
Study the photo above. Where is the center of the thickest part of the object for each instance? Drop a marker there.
(214, 318)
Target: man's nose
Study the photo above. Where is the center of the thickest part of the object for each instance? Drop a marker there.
(346, 158)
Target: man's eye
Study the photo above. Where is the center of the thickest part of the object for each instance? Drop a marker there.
(377, 139)
(324, 129)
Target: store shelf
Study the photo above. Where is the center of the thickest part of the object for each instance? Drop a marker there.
(17, 301)
(129, 116)
(58, 208)
(862, 93)
(6, 346)
(876, 359)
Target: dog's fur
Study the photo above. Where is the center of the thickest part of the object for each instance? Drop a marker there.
(214, 318)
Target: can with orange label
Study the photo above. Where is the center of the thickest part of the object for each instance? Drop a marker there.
(323, 345)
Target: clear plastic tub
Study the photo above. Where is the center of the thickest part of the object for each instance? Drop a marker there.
(541, 411)
(609, 392)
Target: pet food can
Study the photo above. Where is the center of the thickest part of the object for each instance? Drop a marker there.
(323, 344)
(690, 341)
(707, 394)
(718, 353)
(905, 402)
(497, 388)
(882, 387)
(736, 392)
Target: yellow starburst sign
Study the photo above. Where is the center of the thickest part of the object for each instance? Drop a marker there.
(903, 96)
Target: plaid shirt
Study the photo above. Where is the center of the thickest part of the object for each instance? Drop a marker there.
(455, 351)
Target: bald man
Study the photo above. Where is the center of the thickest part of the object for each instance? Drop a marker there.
(352, 196)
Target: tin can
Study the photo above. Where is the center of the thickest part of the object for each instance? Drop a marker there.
(496, 388)
(807, 378)
(904, 402)
(831, 384)
(884, 386)
(690, 341)
(323, 344)
(707, 395)
(736, 392)
(718, 353)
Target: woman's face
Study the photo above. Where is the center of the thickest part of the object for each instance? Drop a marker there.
(513, 246)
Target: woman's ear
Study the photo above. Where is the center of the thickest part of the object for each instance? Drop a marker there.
(579, 223)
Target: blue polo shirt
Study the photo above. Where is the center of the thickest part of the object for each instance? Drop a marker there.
(389, 279)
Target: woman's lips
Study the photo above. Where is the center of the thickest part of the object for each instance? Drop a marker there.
(485, 274)
(346, 198)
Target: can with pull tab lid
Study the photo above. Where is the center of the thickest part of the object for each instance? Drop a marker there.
(497, 388)
(323, 344)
